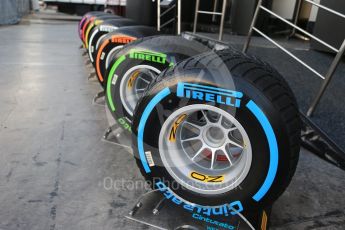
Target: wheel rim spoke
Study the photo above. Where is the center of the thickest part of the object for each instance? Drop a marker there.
(220, 119)
(144, 80)
(191, 139)
(205, 116)
(193, 125)
(227, 155)
(213, 157)
(232, 129)
(202, 148)
(235, 144)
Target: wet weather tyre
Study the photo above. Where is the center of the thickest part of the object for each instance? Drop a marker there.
(247, 128)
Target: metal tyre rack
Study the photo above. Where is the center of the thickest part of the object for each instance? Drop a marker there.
(313, 138)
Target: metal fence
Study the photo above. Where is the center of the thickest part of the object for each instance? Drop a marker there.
(12, 10)
(339, 51)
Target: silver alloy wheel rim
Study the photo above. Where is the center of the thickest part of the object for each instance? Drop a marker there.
(130, 96)
(181, 159)
(110, 56)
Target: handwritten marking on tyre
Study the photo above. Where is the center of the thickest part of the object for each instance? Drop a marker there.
(264, 221)
(179, 120)
(132, 79)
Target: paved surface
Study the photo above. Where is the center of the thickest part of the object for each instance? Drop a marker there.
(53, 163)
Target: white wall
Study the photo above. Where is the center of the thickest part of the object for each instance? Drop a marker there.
(284, 8)
(314, 11)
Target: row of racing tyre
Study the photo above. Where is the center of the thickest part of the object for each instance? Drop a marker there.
(214, 130)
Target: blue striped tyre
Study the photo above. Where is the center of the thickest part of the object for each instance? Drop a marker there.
(218, 132)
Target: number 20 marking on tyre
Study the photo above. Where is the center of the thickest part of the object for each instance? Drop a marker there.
(207, 179)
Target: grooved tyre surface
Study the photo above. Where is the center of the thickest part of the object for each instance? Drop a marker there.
(137, 64)
(112, 42)
(258, 99)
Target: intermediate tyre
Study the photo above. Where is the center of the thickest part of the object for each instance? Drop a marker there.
(137, 65)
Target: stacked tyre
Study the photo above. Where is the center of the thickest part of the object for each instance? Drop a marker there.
(215, 131)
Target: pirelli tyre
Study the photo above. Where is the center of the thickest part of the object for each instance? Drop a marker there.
(137, 65)
(94, 21)
(218, 130)
(111, 43)
(85, 19)
(101, 30)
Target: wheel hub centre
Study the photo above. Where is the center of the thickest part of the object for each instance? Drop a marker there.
(214, 136)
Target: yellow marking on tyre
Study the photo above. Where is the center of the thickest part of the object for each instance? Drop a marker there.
(206, 178)
(264, 221)
(132, 79)
(178, 121)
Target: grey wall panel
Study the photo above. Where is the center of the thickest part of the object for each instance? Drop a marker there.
(8, 12)
(23, 7)
(329, 27)
(12, 10)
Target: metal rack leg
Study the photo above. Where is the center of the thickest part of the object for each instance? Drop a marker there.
(196, 15)
(250, 33)
(179, 15)
(158, 15)
(298, 10)
(158, 206)
(215, 6)
(221, 29)
(327, 80)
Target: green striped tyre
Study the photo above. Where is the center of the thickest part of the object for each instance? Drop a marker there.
(137, 65)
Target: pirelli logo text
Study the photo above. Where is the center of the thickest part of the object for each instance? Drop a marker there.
(148, 56)
(209, 94)
(122, 39)
(106, 28)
